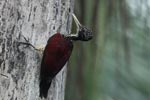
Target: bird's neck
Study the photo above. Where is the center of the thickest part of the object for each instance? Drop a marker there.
(73, 37)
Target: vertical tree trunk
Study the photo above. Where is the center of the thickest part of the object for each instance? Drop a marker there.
(36, 20)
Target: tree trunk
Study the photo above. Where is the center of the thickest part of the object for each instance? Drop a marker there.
(36, 20)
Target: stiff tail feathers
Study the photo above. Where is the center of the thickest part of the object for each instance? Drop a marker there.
(44, 87)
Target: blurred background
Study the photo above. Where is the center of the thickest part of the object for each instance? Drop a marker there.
(115, 64)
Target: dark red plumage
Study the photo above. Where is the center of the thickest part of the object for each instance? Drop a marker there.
(56, 54)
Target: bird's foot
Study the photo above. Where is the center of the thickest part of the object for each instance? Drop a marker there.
(40, 48)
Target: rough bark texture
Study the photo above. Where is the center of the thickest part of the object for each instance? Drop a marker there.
(37, 20)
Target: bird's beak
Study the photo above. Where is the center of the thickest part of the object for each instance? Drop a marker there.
(78, 24)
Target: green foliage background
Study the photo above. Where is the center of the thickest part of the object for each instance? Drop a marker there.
(115, 65)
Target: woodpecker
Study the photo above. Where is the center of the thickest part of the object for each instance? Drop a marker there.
(57, 53)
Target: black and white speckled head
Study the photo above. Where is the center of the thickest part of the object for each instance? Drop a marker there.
(84, 34)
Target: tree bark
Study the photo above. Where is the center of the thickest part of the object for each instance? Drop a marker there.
(36, 20)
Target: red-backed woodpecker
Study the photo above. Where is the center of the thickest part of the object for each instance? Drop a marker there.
(57, 53)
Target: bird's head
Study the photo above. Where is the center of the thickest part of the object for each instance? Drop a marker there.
(82, 33)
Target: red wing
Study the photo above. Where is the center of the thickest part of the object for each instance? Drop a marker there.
(55, 56)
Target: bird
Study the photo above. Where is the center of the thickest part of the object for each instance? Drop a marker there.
(57, 52)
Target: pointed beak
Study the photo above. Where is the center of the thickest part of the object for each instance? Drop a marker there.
(78, 24)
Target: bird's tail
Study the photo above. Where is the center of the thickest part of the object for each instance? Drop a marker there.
(44, 86)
